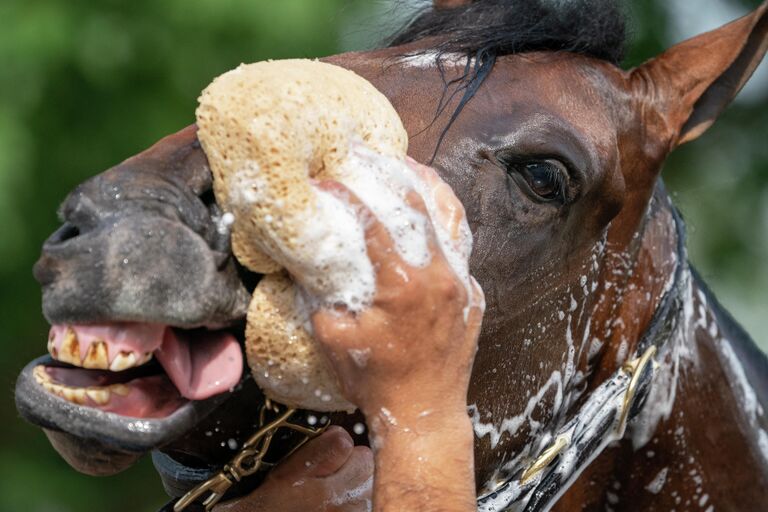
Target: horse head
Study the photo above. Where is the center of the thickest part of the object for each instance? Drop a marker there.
(555, 152)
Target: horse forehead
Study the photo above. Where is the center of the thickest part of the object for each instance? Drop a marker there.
(581, 91)
(570, 85)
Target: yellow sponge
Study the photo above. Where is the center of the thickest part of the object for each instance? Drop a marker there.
(267, 127)
(270, 129)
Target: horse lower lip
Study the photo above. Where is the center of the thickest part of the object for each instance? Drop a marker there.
(44, 409)
(151, 396)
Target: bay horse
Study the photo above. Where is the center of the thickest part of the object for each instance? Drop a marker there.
(607, 377)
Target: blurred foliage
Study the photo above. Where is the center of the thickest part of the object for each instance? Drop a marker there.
(85, 84)
(720, 181)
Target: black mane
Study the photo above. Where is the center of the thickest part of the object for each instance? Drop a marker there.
(486, 29)
(501, 27)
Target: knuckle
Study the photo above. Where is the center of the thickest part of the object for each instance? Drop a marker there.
(325, 332)
(448, 287)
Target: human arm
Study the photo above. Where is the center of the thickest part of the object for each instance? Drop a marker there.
(419, 346)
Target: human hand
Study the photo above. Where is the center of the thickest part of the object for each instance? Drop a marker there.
(328, 474)
(412, 349)
(406, 361)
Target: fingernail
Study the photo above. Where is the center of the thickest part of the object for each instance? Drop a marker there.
(333, 187)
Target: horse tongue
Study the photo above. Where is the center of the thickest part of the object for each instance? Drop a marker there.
(200, 364)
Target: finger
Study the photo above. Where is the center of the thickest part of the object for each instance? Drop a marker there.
(425, 172)
(450, 211)
(415, 201)
(381, 249)
(355, 479)
(320, 457)
(359, 466)
(331, 326)
(476, 306)
(242, 504)
(248, 503)
(477, 299)
(340, 341)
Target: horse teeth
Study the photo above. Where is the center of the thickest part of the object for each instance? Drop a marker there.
(76, 395)
(53, 388)
(123, 361)
(69, 352)
(144, 359)
(98, 395)
(97, 357)
(120, 389)
(40, 375)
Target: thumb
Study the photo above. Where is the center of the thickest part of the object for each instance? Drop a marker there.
(320, 457)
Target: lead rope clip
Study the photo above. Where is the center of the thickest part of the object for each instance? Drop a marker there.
(250, 459)
(635, 370)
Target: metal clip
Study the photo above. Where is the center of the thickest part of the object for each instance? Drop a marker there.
(635, 369)
(545, 458)
(217, 486)
(249, 460)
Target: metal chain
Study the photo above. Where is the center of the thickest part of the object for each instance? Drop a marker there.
(250, 459)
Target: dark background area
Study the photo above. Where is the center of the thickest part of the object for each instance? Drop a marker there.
(86, 83)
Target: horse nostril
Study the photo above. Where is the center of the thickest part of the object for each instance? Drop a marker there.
(66, 232)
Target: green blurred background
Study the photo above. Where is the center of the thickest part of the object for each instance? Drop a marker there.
(87, 83)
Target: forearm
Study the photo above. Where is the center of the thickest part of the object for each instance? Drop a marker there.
(423, 463)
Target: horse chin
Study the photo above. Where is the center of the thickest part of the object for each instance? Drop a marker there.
(101, 421)
(89, 456)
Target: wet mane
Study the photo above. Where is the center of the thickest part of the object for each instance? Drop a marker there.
(502, 27)
(486, 29)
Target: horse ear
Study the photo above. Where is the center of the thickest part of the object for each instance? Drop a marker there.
(692, 82)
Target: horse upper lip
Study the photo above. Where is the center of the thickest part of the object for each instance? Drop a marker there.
(45, 271)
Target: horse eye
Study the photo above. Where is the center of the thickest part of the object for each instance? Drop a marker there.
(542, 179)
(545, 178)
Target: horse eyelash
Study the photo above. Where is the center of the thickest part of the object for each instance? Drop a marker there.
(559, 181)
(511, 165)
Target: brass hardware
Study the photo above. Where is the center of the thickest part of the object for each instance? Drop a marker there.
(635, 369)
(250, 459)
(545, 458)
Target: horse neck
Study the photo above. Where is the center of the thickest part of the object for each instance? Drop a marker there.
(671, 449)
(576, 332)
(707, 411)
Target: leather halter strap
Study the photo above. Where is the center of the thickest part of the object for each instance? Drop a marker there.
(602, 418)
(565, 454)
